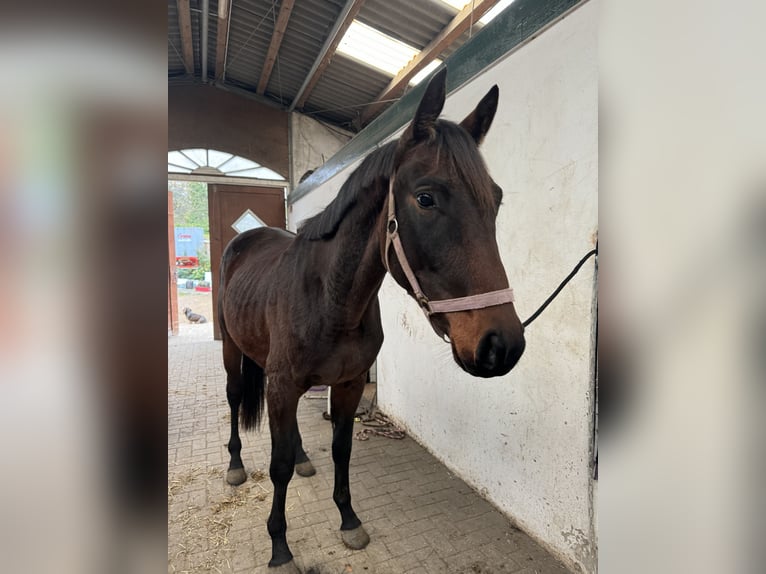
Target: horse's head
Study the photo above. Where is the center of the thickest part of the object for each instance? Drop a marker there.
(446, 204)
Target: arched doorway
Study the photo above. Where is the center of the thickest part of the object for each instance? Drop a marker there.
(240, 195)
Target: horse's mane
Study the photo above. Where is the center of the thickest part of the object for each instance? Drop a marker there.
(464, 161)
(379, 164)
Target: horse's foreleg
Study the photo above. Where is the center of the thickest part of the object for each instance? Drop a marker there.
(303, 465)
(344, 401)
(283, 403)
(232, 362)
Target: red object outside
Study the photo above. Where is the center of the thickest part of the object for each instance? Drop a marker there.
(187, 262)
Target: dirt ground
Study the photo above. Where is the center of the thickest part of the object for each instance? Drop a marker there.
(197, 301)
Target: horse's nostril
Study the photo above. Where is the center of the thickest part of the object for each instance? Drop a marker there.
(496, 355)
(491, 352)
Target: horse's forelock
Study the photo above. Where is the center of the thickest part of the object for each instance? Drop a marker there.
(454, 148)
(465, 163)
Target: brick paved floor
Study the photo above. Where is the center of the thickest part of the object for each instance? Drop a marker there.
(420, 517)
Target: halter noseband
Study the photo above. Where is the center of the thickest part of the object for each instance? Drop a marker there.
(429, 307)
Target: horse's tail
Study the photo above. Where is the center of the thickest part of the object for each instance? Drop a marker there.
(253, 377)
(253, 392)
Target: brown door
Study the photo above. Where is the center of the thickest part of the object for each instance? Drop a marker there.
(227, 205)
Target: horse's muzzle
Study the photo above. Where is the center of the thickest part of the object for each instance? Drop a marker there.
(495, 355)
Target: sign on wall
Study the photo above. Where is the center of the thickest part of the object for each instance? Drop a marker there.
(189, 241)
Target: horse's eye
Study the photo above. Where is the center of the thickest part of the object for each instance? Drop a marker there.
(425, 200)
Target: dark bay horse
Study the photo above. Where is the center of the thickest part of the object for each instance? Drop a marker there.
(303, 309)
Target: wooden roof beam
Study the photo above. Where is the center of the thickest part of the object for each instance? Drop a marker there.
(347, 15)
(276, 41)
(184, 23)
(451, 32)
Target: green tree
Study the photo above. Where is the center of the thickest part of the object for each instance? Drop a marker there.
(190, 205)
(199, 272)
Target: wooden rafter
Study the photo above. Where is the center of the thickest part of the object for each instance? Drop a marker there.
(451, 32)
(184, 23)
(276, 41)
(328, 51)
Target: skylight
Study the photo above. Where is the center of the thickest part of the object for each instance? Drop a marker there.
(212, 162)
(496, 9)
(380, 51)
(375, 48)
(489, 16)
(417, 78)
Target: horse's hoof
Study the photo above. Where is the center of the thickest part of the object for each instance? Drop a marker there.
(286, 568)
(305, 468)
(236, 476)
(355, 539)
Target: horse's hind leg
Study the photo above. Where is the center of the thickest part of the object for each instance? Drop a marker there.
(344, 401)
(232, 362)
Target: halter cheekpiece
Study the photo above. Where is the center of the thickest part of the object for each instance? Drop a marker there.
(429, 307)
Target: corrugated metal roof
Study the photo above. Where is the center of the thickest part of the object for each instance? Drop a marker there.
(212, 36)
(252, 24)
(414, 23)
(345, 88)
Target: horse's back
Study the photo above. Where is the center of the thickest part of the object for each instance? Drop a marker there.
(261, 246)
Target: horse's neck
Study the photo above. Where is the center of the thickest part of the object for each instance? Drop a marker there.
(356, 269)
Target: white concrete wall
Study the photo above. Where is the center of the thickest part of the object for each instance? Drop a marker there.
(312, 144)
(523, 440)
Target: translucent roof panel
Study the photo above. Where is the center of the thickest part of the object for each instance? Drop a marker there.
(499, 7)
(376, 49)
(488, 17)
(417, 78)
(214, 162)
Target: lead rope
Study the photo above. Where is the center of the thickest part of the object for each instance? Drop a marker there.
(563, 284)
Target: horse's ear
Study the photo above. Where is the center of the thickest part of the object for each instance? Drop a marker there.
(478, 121)
(431, 104)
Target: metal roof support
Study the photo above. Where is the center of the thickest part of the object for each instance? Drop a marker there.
(347, 15)
(222, 39)
(203, 43)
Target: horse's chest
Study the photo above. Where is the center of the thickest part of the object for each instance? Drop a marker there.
(349, 360)
(347, 356)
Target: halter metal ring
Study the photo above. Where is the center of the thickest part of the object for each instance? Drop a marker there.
(393, 229)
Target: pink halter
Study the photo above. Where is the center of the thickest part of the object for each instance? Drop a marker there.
(429, 307)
